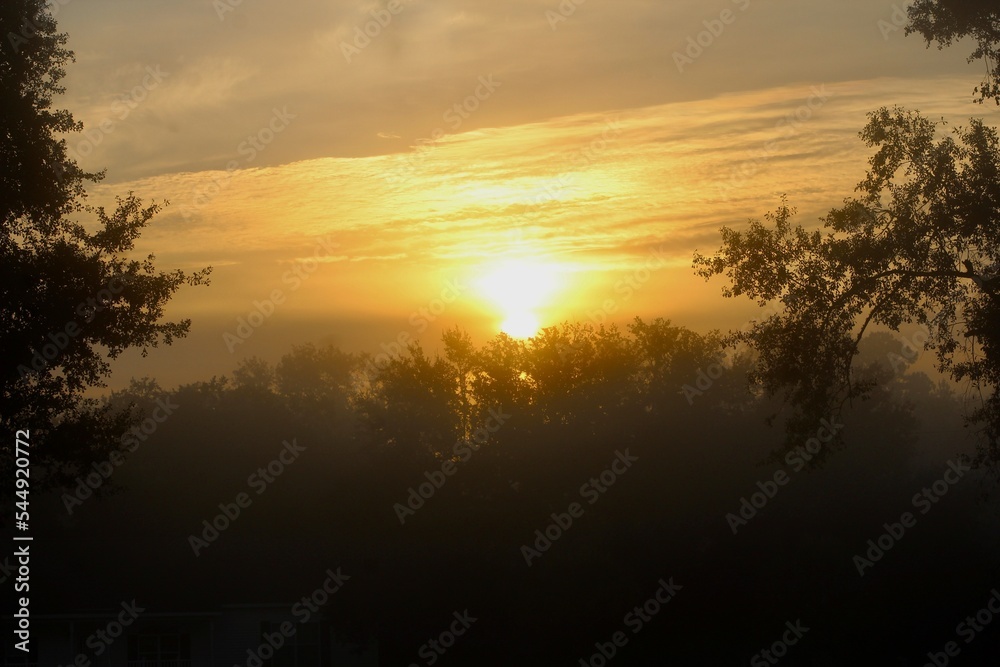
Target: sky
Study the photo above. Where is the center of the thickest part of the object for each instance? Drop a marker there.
(467, 163)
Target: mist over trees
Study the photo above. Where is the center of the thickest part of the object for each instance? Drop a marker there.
(919, 244)
(553, 487)
(428, 480)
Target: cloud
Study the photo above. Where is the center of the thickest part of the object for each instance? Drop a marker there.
(227, 75)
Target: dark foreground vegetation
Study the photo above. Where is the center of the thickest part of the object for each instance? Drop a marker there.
(563, 408)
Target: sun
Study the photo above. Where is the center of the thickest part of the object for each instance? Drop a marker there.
(520, 289)
(520, 325)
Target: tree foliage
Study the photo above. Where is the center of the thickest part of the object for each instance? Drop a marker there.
(947, 21)
(919, 244)
(72, 294)
(371, 492)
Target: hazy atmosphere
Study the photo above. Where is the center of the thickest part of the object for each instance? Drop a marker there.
(592, 146)
(523, 333)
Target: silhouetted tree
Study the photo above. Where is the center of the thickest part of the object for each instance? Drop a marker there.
(316, 380)
(945, 21)
(411, 408)
(255, 375)
(580, 393)
(71, 297)
(920, 244)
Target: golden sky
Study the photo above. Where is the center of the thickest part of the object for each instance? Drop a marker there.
(486, 162)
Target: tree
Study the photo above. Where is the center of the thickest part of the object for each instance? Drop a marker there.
(920, 244)
(72, 296)
(945, 21)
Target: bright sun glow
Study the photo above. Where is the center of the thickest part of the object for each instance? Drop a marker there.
(520, 289)
(520, 325)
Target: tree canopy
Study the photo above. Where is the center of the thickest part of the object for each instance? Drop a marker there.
(391, 488)
(72, 295)
(919, 244)
(947, 21)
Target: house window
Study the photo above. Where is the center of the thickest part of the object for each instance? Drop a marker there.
(300, 650)
(159, 649)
